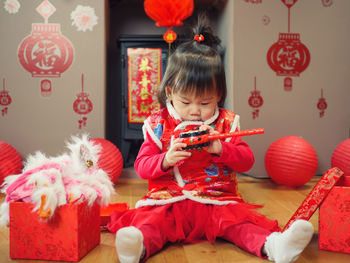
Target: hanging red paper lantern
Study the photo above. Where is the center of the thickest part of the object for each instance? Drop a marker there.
(255, 100)
(10, 161)
(291, 161)
(169, 36)
(111, 159)
(341, 157)
(168, 13)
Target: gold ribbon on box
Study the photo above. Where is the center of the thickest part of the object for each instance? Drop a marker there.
(144, 76)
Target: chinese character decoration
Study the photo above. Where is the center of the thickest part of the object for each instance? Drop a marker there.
(322, 104)
(82, 105)
(12, 6)
(255, 100)
(5, 99)
(327, 3)
(144, 76)
(45, 53)
(288, 56)
(84, 18)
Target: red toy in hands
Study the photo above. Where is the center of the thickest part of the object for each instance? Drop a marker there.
(199, 139)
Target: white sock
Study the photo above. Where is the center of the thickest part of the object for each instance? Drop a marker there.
(287, 246)
(129, 244)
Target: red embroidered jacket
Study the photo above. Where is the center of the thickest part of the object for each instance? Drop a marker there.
(203, 177)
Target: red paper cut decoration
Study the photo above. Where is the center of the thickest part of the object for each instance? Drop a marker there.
(288, 56)
(266, 20)
(255, 100)
(168, 13)
(327, 3)
(45, 52)
(5, 99)
(144, 76)
(253, 1)
(82, 105)
(322, 104)
(288, 83)
(46, 88)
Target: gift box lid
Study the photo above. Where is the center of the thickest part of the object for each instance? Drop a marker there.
(106, 211)
(316, 196)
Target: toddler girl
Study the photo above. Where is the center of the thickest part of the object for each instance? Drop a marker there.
(193, 194)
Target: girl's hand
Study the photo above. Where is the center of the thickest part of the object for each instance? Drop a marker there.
(215, 146)
(175, 153)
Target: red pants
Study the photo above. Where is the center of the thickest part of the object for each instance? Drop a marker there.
(191, 222)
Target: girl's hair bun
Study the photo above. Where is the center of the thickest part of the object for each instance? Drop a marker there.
(203, 28)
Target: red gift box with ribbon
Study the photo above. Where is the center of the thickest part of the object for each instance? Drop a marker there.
(69, 235)
(334, 223)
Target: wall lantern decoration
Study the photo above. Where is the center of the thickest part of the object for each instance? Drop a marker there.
(288, 56)
(322, 104)
(82, 105)
(255, 100)
(5, 99)
(45, 53)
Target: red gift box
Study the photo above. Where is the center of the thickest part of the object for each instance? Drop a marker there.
(68, 236)
(316, 196)
(106, 211)
(334, 223)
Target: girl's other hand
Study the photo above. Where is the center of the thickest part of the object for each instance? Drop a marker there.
(215, 146)
(175, 153)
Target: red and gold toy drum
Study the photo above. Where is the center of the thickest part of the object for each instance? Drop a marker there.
(111, 159)
(10, 161)
(291, 161)
(341, 157)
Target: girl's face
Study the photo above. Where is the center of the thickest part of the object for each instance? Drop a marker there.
(192, 108)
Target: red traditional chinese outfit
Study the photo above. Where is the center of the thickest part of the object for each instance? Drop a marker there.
(198, 199)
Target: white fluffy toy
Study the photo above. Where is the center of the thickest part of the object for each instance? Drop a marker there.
(49, 182)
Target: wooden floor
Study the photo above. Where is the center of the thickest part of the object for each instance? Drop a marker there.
(280, 203)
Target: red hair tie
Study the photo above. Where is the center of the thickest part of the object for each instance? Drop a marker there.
(199, 38)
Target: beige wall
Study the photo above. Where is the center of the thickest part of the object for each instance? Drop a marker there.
(325, 32)
(37, 123)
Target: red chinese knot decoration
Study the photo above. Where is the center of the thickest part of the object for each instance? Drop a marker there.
(82, 105)
(255, 100)
(45, 52)
(288, 56)
(5, 99)
(322, 104)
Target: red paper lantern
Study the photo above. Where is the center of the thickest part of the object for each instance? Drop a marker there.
(291, 161)
(341, 157)
(111, 160)
(168, 13)
(10, 161)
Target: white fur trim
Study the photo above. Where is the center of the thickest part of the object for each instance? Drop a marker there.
(147, 128)
(178, 177)
(214, 117)
(235, 126)
(159, 202)
(172, 111)
(206, 200)
(186, 195)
